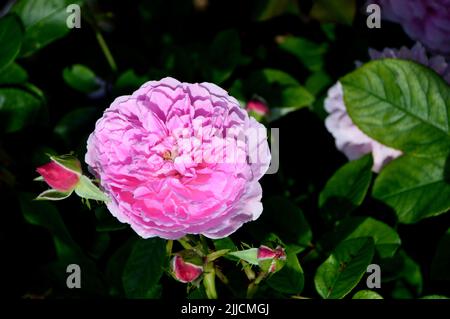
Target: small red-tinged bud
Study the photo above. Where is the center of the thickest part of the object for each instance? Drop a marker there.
(271, 260)
(59, 177)
(265, 252)
(257, 106)
(184, 271)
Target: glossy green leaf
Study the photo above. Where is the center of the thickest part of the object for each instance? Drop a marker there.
(389, 102)
(225, 55)
(76, 123)
(80, 78)
(415, 186)
(347, 188)
(44, 21)
(367, 294)
(106, 222)
(341, 11)
(144, 268)
(129, 80)
(310, 54)
(268, 9)
(435, 297)
(290, 279)
(44, 214)
(345, 267)
(385, 238)
(13, 74)
(18, 108)
(409, 282)
(10, 40)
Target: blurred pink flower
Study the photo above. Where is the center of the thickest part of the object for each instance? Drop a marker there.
(257, 106)
(59, 177)
(427, 21)
(179, 158)
(184, 271)
(348, 137)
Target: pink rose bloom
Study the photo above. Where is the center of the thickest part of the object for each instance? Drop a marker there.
(59, 177)
(348, 137)
(427, 21)
(178, 158)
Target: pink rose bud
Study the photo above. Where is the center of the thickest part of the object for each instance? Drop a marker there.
(184, 271)
(270, 259)
(58, 176)
(257, 106)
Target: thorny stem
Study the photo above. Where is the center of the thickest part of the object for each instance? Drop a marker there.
(253, 286)
(248, 270)
(209, 281)
(169, 247)
(183, 242)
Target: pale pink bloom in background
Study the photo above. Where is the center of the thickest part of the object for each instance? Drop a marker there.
(427, 21)
(159, 155)
(348, 137)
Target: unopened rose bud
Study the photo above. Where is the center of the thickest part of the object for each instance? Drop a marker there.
(60, 177)
(257, 107)
(271, 260)
(185, 271)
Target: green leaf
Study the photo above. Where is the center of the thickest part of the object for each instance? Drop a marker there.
(44, 214)
(279, 89)
(409, 281)
(18, 109)
(401, 104)
(81, 78)
(415, 187)
(76, 123)
(347, 188)
(129, 80)
(116, 265)
(318, 82)
(53, 194)
(44, 21)
(310, 54)
(385, 238)
(367, 294)
(13, 74)
(86, 189)
(441, 262)
(290, 279)
(268, 9)
(10, 39)
(341, 11)
(435, 297)
(224, 55)
(226, 243)
(345, 267)
(248, 255)
(106, 222)
(144, 268)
